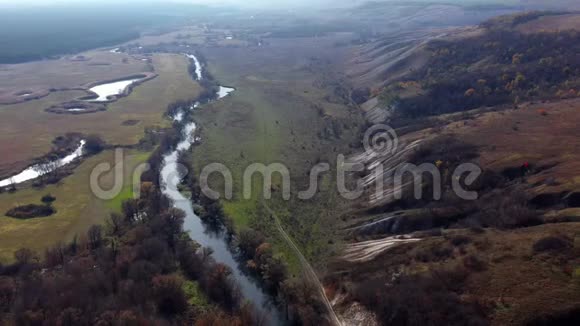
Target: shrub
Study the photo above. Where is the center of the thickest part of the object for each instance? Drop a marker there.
(569, 316)
(487, 180)
(425, 299)
(94, 144)
(473, 263)
(305, 307)
(48, 199)
(552, 243)
(8, 289)
(477, 230)
(434, 253)
(31, 211)
(506, 209)
(168, 294)
(24, 256)
(249, 240)
(460, 240)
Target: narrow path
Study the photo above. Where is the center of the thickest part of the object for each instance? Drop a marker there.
(308, 270)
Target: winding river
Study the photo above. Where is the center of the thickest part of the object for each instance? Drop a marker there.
(38, 170)
(216, 240)
(198, 67)
(170, 179)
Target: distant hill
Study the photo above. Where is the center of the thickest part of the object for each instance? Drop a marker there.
(508, 59)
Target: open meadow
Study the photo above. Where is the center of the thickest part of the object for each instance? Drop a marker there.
(286, 109)
(28, 130)
(76, 206)
(38, 78)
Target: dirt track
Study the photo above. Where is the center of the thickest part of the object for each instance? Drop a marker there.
(308, 271)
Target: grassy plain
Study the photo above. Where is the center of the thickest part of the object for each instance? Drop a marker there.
(68, 72)
(283, 111)
(77, 207)
(28, 130)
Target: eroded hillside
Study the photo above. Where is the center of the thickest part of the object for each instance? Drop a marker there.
(502, 96)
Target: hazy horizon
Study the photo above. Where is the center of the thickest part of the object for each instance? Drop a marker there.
(262, 4)
(234, 3)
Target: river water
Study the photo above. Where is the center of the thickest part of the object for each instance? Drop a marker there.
(38, 170)
(198, 67)
(104, 91)
(216, 240)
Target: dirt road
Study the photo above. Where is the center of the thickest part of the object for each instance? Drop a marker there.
(307, 268)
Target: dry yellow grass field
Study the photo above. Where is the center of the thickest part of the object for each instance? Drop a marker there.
(543, 134)
(28, 130)
(38, 77)
(77, 207)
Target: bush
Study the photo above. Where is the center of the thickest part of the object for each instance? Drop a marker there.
(460, 240)
(31, 211)
(427, 299)
(506, 209)
(94, 144)
(570, 316)
(473, 263)
(552, 243)
(48, 199)
(249, 240)
(168, 295)
(434, 253)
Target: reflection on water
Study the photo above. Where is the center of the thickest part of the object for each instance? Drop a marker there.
(224, 91)
(38, 170)
(104, 91)
(198, 68)
(215, 239)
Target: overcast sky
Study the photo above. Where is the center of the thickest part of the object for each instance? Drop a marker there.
(252, 3)
(238, 3)
(270, 4)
